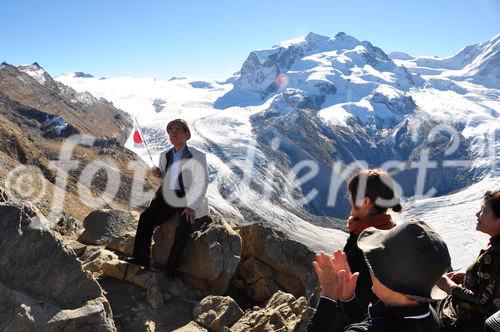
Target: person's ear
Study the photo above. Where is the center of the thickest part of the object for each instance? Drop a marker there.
(366, 202)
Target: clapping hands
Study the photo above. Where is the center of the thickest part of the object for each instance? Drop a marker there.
(334, 275)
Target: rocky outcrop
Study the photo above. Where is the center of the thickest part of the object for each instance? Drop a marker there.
(163, 239)
(272, 261)
(42, 285)
(217, 312)
(283, 312)
(106, 227)
(210, 257)
(150, 281)
(94, 257)
(38, 117)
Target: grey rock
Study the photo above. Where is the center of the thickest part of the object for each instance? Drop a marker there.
(38, 279)
(77, 247)
(104, 226)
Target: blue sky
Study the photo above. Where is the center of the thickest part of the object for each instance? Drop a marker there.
(211, 39)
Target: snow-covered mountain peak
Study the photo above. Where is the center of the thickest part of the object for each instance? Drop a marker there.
(35, 71)
(315, 43)
(400, 56)
(316, 72)
(478, 63)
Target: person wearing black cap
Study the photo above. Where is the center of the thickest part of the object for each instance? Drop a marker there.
(184, 176)
(475, 294)
(405, 263)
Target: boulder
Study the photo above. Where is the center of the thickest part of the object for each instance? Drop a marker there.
(217, 312)
(212, 255)
(271, 261)
(104, 226)
(124, 244)
(258, 280)
(94, 257)
(163, 239)
(150, 281)
(42, 284)
(283, 312)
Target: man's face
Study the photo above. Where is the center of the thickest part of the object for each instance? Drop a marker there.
(177, 135)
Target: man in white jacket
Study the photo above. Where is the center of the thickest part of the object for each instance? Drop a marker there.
(184, 176)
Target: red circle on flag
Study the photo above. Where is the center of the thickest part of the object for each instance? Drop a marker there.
(137, 137)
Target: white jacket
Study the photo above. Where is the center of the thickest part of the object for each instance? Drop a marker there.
(194, 172)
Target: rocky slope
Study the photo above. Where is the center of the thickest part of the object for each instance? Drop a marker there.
(38, 117)
(227, 279)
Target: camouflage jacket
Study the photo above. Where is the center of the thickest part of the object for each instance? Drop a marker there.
(478, 297)
(480, 290)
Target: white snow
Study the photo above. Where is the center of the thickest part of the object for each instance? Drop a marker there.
(57, 124)
(34, 71)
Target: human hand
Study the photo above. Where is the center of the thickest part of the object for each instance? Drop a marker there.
(189, 214)
(456, 277)
(156, 172)
(334, 275)
(446, 284)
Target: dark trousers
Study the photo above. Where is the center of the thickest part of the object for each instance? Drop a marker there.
(157, 213)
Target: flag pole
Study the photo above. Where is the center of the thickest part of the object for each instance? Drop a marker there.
(142, 136)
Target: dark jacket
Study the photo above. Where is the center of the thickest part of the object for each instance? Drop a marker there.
(470, 304)
(356, 259)
(331, 316)
(357, 263)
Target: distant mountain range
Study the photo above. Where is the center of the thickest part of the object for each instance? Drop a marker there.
(317, 105)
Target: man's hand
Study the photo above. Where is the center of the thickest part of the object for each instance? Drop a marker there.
(189, 214)
(156, 172)
(334, 275)
(456, 277)
(446, 284)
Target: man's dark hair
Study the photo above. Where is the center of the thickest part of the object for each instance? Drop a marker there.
(379, 185)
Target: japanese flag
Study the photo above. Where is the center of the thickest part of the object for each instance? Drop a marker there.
(137, 137)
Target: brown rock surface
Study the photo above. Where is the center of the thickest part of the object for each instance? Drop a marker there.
(217, 312)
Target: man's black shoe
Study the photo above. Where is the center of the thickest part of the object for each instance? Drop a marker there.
(135, 261)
